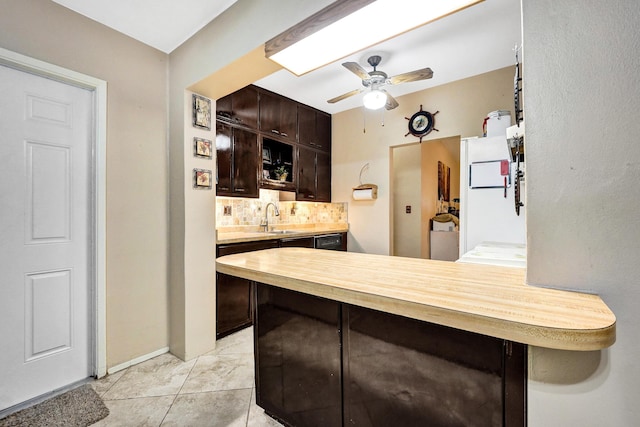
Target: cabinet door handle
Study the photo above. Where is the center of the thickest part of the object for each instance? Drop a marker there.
(240, 190)
(275, 131)
(283, 134)
(223, 188)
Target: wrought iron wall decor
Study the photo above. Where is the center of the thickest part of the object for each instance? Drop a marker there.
(517, 142)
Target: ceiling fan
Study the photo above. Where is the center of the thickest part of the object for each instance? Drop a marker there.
(374, 80)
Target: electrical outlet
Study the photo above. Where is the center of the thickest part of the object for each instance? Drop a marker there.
(226, 211)
(407, 209)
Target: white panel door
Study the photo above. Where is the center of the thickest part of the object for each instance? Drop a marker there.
(45, 235)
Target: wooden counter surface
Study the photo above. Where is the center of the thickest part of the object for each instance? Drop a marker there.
(485, 299)
(226, 237)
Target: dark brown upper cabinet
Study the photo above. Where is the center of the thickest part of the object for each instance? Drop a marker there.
(224, 135)
(237, 160)
(259, 133)
(314, 175)
(278, 165)
(306, 182)
(278, 116)
(314, 128)
(239, 108)
(323, 174)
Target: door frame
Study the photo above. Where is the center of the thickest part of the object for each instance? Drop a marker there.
(97, 187)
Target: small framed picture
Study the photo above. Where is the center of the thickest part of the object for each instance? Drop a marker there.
(201, 112)
(265, 174)
(266, 155)
(202, 179)
(202, 148)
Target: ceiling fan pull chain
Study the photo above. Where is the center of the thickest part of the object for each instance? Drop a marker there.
(364, 122)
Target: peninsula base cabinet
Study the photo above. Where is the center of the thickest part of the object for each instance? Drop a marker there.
(324, 363)
(298, 375)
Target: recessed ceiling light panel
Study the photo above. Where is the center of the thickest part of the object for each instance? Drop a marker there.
(301, 52)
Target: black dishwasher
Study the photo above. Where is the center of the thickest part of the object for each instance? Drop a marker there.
(334, 242)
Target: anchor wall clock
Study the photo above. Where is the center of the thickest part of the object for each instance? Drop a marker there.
(421, 123)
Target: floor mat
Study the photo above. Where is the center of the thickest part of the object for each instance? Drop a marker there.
(79, 407)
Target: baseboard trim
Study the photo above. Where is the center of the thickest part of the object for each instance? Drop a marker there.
(140, 359)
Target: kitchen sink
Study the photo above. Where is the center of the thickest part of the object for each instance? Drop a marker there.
(281, 232)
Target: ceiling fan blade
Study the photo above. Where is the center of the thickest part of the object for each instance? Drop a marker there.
(412, 76)
(356, 69)
(344, 96)
(391, 101)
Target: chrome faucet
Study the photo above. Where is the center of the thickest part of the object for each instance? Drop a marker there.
(265, 221)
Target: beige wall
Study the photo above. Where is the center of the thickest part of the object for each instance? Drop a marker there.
(406, 191)
(582, 97)
(230, 41)
(136, 270)
(415, 183)
(462, 104)
(431, 153)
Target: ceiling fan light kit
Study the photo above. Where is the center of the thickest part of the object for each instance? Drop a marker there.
(377, 97)
(374, 100)
(348, 26)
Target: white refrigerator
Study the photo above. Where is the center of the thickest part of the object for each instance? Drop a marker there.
(488, 219)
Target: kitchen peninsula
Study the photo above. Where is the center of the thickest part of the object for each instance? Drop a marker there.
(234, 295)
(350, 338)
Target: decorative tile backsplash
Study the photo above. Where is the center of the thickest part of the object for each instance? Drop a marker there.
(235, 211)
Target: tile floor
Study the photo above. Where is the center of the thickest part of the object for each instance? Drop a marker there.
(216, 389)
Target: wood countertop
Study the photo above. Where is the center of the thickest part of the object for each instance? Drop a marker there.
(485, 299)
(252, 234)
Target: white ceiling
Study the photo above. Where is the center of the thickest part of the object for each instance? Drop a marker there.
(471, 42)
(163, 24)
(474, 41)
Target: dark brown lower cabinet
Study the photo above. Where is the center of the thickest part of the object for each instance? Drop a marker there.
(233, 304)
(297, 242)
(234, 296)
(298, 357)
(404, 372)
(323, 363)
